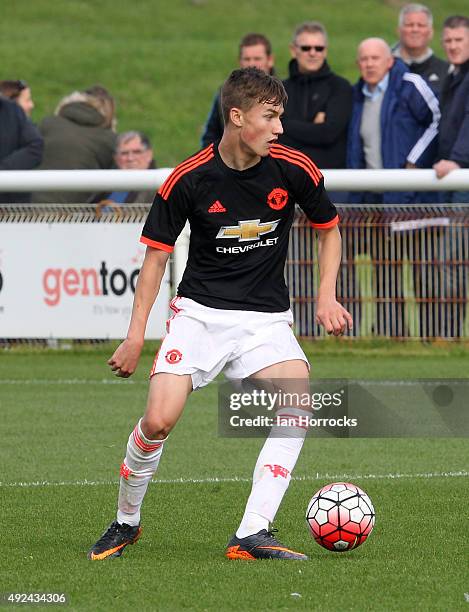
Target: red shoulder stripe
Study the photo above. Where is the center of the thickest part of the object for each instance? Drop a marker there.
(294, 153)
(191, 163)
(298, 158)
(298, 163)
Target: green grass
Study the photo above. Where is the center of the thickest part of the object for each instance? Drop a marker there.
(165, 60)
(63, 426)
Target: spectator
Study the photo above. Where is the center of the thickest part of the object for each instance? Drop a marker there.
(453, 150)
(255, 51)
(319, 102)
(394, 120)
(415, 31)
(21, 145)
(133, 152)
(79, 136)
(19, 92)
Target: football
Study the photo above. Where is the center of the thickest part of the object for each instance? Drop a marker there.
(340, 516)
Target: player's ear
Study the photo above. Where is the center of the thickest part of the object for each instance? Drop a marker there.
(236, 117)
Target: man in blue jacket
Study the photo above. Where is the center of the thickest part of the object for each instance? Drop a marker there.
(394, 121)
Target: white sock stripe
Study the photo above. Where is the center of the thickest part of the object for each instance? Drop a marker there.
(343, 477)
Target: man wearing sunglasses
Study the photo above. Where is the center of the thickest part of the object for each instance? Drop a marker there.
(319, 102)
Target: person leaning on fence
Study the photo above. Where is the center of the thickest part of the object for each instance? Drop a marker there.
(20, 92)
(394, 121)
(133, 152)
(79, 136)
(319, 102)
(415, 29)
(453, 150)
(255, 50)
(21, 145)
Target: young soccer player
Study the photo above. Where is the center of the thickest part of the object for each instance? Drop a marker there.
(231, 312)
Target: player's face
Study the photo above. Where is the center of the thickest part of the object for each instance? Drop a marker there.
(256, 56)
(374, 61)
(25, 100)
(310, 51)
(456, 45)
(132, 155)
(415, 32)
(261, 127)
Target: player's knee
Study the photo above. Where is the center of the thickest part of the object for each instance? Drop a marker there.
(155, 428)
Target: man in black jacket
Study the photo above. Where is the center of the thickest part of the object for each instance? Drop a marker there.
(453, 150)
(415, 31)
(21, 145)
(255, 51)
(319, 102)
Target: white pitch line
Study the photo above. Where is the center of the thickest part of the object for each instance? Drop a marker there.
(113, 381)
(68, 381)
(215, 480)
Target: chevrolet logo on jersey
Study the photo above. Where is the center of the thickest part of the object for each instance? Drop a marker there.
(248, 230)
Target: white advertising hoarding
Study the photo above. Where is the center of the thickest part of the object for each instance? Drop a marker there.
(73, 280)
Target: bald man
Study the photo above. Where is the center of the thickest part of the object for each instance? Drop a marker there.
(394, 118)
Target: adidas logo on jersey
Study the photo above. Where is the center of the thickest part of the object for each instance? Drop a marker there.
(217, 207)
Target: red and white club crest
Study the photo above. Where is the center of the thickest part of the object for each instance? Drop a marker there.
(173, 356)
(277, 198)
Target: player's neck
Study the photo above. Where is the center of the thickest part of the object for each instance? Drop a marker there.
(234, 155)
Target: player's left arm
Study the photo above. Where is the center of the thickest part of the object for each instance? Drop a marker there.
(329, 313)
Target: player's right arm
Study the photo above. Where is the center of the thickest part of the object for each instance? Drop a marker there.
(125, 359)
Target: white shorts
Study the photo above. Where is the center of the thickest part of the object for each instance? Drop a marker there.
(203, 341)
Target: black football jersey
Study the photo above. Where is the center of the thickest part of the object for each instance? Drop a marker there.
(240, 223)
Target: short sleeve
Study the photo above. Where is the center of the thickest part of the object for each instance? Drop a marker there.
(167, 217)
(312, 197)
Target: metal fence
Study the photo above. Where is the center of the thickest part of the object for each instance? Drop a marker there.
(404, 271)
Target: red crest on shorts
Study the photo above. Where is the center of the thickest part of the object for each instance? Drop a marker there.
(173, 356)
(277, 198)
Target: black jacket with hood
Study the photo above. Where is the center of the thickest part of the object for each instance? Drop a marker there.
(308, 94)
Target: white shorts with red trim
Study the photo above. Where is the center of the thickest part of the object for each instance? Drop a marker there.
(203, 341)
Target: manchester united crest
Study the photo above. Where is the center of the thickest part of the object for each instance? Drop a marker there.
(277, 198)
(173, 356)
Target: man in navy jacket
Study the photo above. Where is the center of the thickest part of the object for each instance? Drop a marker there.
(21, 145)
(394, 121)
(453, 150)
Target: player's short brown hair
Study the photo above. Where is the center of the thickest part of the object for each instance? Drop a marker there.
(248, 86)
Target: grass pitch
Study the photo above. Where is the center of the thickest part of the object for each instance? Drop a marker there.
(65, 421)
(164, 61)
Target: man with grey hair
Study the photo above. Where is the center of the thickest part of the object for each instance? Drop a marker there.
(319, 102)
(132, 151)
(394, 118)
(415, 29)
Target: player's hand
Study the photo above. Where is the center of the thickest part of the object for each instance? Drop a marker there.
(125, 359)
(333, 317)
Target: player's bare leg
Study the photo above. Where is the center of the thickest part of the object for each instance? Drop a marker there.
(272, 472)
(166, 399)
